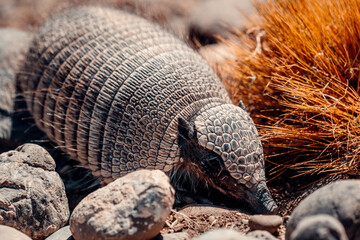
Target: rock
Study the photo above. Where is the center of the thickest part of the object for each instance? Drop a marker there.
(176, 236)
(340, 199)
(224, 234)
(62, 234)
(173, 236)
(13, 44)
(9, 233)
(268, 223)
(214, 17)
(319, 227)
(132, 207)
(32, 195)
(211, 219)
(261, 234)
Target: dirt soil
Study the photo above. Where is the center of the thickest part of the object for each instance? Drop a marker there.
(199, 219)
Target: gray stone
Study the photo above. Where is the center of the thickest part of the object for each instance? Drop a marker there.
(214, 17)
(319, 227)
(176, 236)
(340, 199)
(224, 234)
(268, 223)
(261, 234)
(61, 234)
(13, 44)
(32, 195)
(9, 233)
(132, 207)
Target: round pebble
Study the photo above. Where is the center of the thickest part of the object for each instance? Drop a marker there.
(268, 223)
(211, 219)
(132, 207)
(261, 234)
(32, 194)
(319, 227)
(224, 234)
(61, 234)
(10, 233)
(340, 200)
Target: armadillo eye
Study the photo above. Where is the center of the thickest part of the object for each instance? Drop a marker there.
(211, 164)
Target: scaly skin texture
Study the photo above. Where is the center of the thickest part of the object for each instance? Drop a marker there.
(111, 88)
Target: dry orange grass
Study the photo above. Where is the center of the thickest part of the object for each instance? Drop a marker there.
(298, 68)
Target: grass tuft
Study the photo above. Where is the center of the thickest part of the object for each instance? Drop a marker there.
(297, 68)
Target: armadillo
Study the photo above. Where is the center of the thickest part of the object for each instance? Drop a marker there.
(119, 93)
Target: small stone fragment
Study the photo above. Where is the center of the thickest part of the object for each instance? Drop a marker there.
(132, 207)
(211, 219)
(340, 199)
(62, 234)
(224, 234)
(7, 232)
(268, 223)
(261, 234)
(319, 227)
(32, 195)
(173, 236)
(245, 221)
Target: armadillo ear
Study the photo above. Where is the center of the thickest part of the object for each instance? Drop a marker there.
(242, 105)
(186, 131)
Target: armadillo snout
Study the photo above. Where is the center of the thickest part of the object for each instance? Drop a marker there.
(261, 200)
(229, 132)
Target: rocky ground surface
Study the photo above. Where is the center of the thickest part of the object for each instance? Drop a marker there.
(139, 206)
(195, 21)
(199, 219)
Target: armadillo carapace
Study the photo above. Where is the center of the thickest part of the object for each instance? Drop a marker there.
(119, 93)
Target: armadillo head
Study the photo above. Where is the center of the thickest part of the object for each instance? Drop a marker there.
(226, 148)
